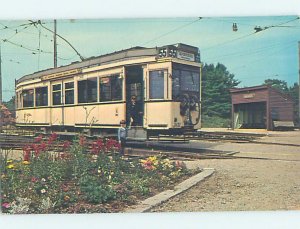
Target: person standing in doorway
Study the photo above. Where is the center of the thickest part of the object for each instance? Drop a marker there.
(122, 135)
(134, 112)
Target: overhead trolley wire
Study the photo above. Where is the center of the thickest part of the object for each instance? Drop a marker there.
(172, 31)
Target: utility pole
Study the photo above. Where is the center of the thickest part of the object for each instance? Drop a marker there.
(55, 45)
(299, 83)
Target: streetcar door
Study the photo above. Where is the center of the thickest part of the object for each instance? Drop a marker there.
(134, 89)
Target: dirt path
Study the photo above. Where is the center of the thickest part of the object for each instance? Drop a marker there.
(246, 184)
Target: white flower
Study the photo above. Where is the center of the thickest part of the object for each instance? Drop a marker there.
(43, 191)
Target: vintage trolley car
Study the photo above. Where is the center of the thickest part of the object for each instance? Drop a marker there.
(94, 94)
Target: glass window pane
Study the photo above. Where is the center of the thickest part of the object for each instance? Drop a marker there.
(41, 96)
(190, 81)
(92, 90)
(156, 79)
(69, 97)
(27, 98)
(105, 89)
(116, 88)
(175, 84)
(56, 98)
(82, 91)
(69, 85)
(56, 87)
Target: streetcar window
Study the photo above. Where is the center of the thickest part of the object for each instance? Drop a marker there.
(111, 88)
(190, 81)
(87, 90)
(69, 93)
(156, 81)
(27, 98)
(56, 94)
(175, 84)
(41, 96)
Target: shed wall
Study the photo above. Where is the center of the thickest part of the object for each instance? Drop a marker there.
(252, 96)
(281, 107)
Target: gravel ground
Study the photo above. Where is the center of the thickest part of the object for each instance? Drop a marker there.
(246, 184)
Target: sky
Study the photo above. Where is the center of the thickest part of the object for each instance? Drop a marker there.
(251, 57)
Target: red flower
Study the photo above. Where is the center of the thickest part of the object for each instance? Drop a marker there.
(111, 143)
(36, 149)
(34, 179)
(43, 146)
(97, 147)
(26, 153)
(52, 138)
(38, 138)
(66, 145)
(6, 205)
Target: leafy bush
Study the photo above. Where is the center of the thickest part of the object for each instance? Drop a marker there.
(55, 177)
(215, 122)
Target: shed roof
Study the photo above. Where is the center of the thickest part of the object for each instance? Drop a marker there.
(260, 87)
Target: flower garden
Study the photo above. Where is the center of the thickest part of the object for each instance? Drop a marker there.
(81, 177)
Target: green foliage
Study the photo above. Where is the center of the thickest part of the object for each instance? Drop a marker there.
(216, 82)
(10, 104)
(280, 85)
(70, 181)
(215, 122)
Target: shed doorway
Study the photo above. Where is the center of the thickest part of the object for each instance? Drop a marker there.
(250, 115)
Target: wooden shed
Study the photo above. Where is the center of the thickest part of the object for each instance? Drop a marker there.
(261, 107)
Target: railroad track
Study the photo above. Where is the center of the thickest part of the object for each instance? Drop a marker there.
(201, 135)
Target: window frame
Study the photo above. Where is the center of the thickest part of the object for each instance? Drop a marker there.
(87, 96)
(164, 85)
(56, 91)
(69, 89)
(33, 97)
(41, 99)
(112, 95)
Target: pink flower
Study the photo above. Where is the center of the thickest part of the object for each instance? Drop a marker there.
(34, 179)
(38, 138)
(43, 146)
(6, 205)
(66, 145)
(26, 153)
(36, 149)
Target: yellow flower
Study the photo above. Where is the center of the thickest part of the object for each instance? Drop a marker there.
(11, 166)
(26, 162)
(9, 161)
(153, 158)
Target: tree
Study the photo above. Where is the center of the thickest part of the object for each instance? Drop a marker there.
(281, 85)
(216, 82)
(11, 105)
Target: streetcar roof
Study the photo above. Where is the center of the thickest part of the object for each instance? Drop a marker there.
(130, 53)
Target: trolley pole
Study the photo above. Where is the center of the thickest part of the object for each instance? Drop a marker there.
(55, 45)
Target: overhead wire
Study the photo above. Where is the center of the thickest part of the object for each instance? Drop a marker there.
(172, 31)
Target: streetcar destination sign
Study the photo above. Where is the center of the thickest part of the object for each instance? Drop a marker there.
(185, 55)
